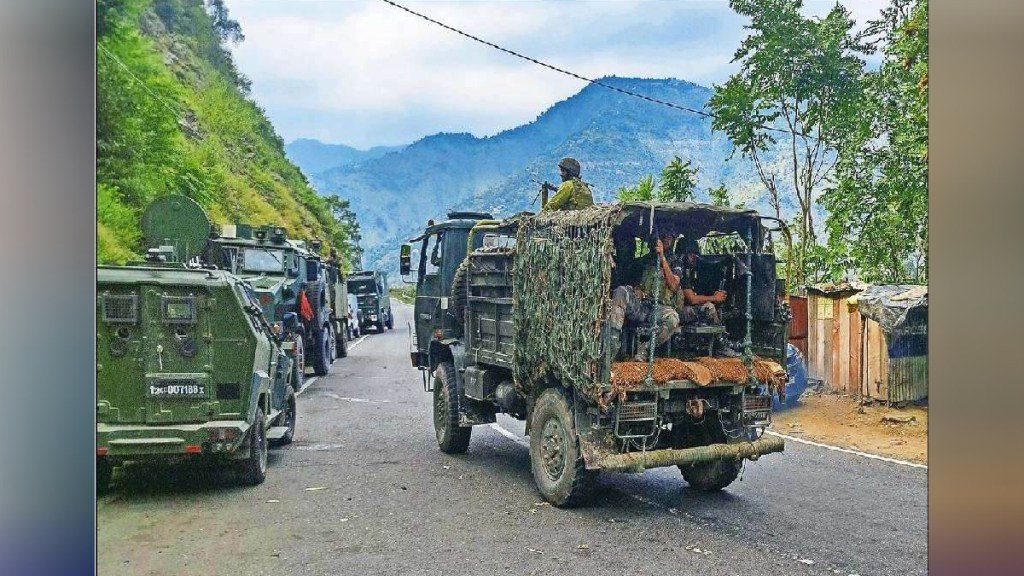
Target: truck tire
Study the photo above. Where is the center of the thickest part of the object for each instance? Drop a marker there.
(288, 418)
(711, 476)
(451, 438)
(104, 472)
(254, 468)
(299, 366)
(341, 343)
(459, 294)
(391, 321)
(322, 351)
(555, 457)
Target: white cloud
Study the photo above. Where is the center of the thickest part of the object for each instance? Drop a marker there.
(364, 73)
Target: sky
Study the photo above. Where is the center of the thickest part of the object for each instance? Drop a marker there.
(363, 73)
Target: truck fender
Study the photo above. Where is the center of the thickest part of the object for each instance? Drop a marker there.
(260, 387)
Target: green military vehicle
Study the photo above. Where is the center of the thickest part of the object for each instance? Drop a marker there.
(513, 316)
(284, 272)
(371, 290)
(187, 364)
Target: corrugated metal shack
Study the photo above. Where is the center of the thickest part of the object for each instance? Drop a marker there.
(868, 341)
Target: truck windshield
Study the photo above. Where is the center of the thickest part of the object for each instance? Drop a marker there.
(257, 260)
(361, 287)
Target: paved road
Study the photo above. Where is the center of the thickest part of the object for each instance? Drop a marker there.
(388, 502)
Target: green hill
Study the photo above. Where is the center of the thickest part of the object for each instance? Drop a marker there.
(174, 115)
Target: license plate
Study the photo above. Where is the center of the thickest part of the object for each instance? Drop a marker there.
(177, 390)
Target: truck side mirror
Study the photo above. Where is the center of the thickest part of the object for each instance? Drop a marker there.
(405, 259)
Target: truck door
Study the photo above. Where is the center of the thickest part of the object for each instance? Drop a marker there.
(428, 292)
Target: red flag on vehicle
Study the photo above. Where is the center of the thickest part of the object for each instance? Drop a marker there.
(305, 310)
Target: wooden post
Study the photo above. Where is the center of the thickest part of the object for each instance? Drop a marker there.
(856, 341)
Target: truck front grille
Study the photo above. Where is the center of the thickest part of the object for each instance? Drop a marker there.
(756, 403)
(632, 411)
(120, 308)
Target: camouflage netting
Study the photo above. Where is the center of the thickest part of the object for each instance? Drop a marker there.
(629, 376)
(558, 308)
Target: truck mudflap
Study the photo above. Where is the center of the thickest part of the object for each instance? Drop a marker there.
(640, 461)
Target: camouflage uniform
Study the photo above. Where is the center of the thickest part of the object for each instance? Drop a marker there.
(702, 314)
(627, 306)
(573, 194)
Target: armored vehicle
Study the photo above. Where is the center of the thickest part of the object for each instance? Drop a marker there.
(289, 275)
(371, 289)
(187, 364)
(515, 316)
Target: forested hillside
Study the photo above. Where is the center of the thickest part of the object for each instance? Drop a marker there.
(174, 115)
(618, 139)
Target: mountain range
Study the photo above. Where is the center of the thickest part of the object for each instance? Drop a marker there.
(617, 138)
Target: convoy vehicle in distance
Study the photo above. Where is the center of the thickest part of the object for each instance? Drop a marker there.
(520, 325)
(371, 289)
(187, 365)
(285, 273)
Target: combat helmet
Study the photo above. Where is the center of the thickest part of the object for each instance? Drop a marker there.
(570, 165)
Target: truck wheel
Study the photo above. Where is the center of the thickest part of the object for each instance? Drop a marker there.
(459, 295)
(391, 321)
(378, 326)
(322, 352)
(711, 476)
(254, 468)
(555, 456)
(104, 472)
(451, 438)
(288, 418)
(299, 363)
(340, 342)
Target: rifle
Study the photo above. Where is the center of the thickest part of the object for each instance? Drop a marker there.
(545, 187)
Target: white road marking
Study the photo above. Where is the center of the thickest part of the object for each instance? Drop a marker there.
(360, 400)
(508, 434)
(848, 451)
(307, 384)
(358, 340)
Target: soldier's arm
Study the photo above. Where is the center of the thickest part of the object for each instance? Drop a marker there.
(561, 198)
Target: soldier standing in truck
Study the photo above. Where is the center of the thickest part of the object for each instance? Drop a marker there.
(573, 193)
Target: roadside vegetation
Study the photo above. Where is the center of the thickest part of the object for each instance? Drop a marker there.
(821, 128)
(175, 116)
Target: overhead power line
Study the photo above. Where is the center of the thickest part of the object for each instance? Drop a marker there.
(564, 71)
(109, 54)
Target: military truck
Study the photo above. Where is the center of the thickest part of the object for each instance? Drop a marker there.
(187, 365)
(512, 317)
(371, 289)
(284, 273)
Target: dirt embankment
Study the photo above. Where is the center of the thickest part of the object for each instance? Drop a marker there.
(841, 421)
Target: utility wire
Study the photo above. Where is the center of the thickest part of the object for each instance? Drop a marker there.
(567, 72)
(109, 54)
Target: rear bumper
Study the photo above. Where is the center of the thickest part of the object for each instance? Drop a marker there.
(640, 461)
(132, 441)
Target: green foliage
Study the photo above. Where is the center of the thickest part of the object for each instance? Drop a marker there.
(678, 184)
(642, 192)
(173, 116)
(795, 75)
(678, 181)
(878, 207)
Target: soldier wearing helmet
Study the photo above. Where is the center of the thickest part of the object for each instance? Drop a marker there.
(573, 193)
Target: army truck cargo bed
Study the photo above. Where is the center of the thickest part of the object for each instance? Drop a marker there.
(573, 323)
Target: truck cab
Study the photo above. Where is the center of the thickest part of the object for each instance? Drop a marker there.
(442, 248)
(370, 288)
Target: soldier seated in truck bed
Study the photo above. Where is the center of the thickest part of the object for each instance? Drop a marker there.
(679, 306)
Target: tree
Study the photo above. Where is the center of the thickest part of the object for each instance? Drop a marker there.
(878, 207)
(678, 181)
(795, 74)
(642, 192)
